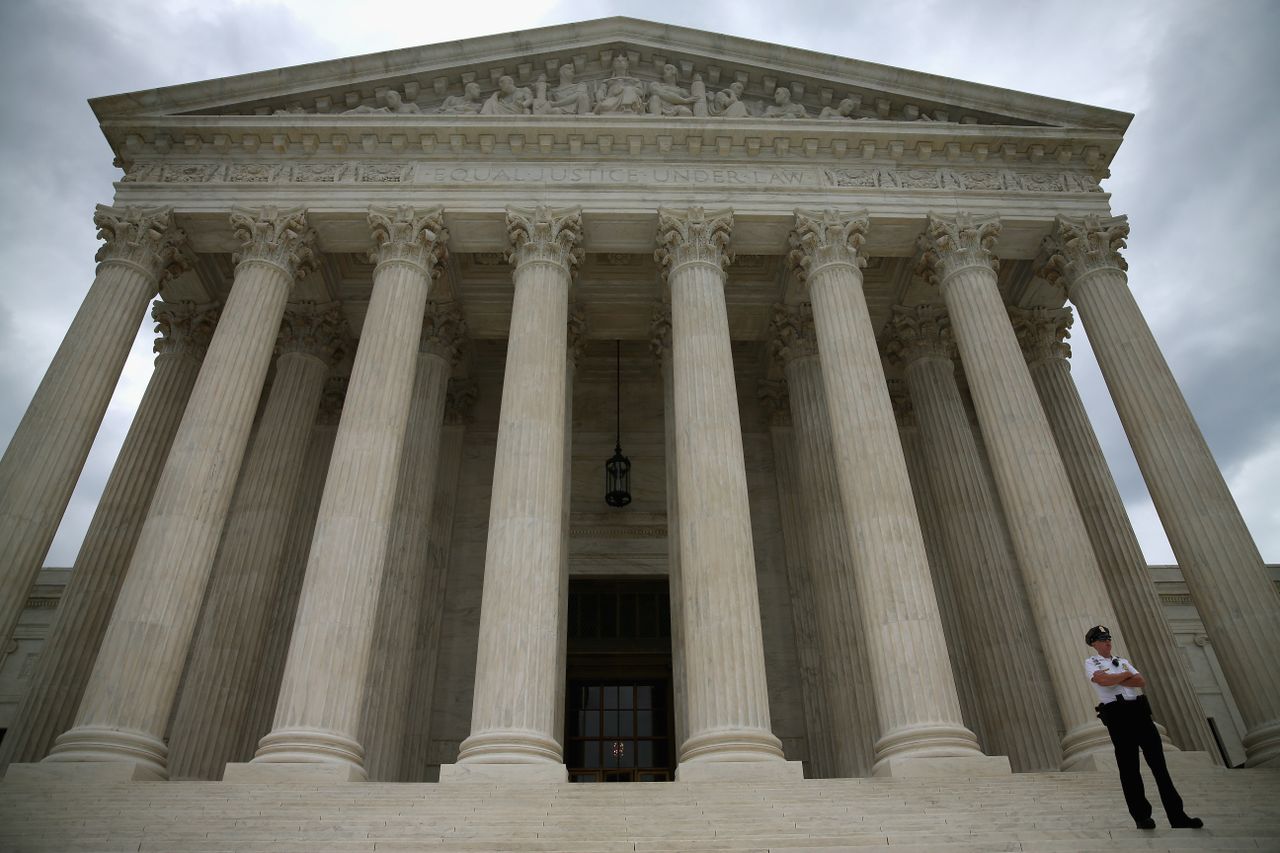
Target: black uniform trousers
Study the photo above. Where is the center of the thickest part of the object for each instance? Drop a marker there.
(1131, 729)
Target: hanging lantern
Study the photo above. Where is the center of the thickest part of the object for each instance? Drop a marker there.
(617, 471)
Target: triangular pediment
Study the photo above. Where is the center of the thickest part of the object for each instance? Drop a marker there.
(613, 62)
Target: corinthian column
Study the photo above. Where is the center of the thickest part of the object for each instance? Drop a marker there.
(1219, 560)
(988, 591)
(45, 455)
(846, 681)
(775, 400)
(1042, 335)
(660, 345)
(405, 581)
(513, 714)
(130, 694)
(1049, 538)
(48, 707)
(919, 711)
(317, 718)
(293, 562)
(728, 705)
(229, 642)
(459, 399)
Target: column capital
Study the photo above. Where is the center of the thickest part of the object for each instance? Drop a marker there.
(444, 331)
(315, 329)
(660, 330)
(281, 238)
(144, 238)
(821, 238)
(332, 399)
(1042, 332)
(775, 399)
(792, 333)
(950, 244)
(184, 328)
(460, 399)
(693, 236)
(405, 235)
(545, 235)
(920, 331)
(576, 336)
(1077, 247)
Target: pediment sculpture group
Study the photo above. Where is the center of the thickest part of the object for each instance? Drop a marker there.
(618, 94)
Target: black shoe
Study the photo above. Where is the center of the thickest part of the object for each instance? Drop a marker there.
(1186, 822)
(1146, 823)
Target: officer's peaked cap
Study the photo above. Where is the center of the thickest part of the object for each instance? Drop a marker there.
(1096, 633)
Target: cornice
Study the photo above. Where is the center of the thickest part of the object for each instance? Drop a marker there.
(450, 138)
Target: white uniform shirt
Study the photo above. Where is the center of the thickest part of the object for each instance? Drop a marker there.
(1097, 663)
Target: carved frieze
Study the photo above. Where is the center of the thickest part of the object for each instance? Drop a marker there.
(949, 179)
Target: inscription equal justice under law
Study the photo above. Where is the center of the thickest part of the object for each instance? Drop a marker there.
(658, 175)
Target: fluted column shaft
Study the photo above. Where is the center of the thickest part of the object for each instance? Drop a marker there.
(576, 341)
(818, 729)
(660, 343)
(728, 702)
(1219, 560)
(919, 714)
(49, 705)
(835, 596)
(513, 712)
(229, 643)
(931, 529)
(317, 718)
(1019, 723)
(421, 702)
(1049, 538)
(39, 469)
(293, 565)
(404, 584)
(130, 694)
(1116, 545)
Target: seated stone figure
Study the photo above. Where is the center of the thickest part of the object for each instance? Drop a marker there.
(783, 107)
(666, 98)
(467, 103)
(843, 110)
(510, 99)
(570, 97)
(621, 93)
(727, 103)
(395, 104)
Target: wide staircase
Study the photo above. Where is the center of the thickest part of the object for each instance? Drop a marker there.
(1074, 812)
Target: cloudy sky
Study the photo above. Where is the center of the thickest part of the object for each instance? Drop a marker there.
(1192, 174)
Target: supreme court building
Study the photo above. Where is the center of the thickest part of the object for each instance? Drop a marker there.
(409, 304)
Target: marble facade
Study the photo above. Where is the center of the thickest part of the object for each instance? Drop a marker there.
(339, 542)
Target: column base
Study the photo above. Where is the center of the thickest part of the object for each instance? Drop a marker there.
(318, 748)
(1262, 746)
(105, 745)
(739, 771)
(81, 773)
(1083, 742)
(1106, 762)
(939, 767)
(497, 774)
(302, 773)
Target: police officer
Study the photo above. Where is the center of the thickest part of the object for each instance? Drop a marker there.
(1127, 716)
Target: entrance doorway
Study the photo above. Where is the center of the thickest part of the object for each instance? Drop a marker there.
(619, 709)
